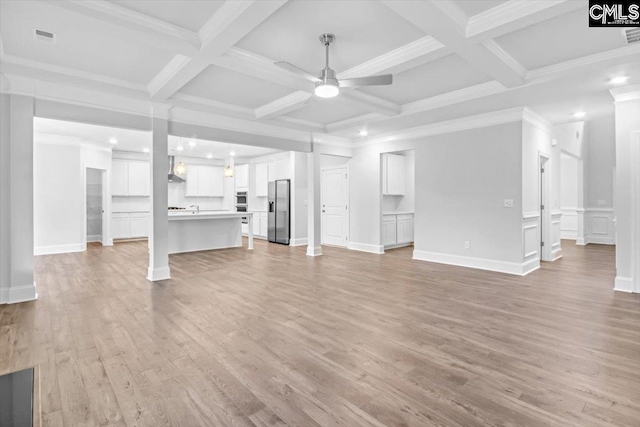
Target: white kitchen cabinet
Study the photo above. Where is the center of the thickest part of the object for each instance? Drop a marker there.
(242, 177)
(138, 178)
(262, 179)
(120, 178)
(129, 225)
(264, 224)
(139, 224)
(393, 175)
(260, 224)
(404, 229)
(130, 178)
(204, 181)
(389, 232)
(120, 226)
(397, 230)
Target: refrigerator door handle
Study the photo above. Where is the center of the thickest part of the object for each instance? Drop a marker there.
(271, 206)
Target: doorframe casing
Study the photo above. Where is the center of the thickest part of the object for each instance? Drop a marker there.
(348, 216)
(544, 193)
(106, 204)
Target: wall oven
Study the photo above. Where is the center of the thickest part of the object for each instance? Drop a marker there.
(242, 198)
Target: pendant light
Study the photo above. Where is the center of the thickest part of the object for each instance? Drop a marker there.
(180, 168)
(229, 169)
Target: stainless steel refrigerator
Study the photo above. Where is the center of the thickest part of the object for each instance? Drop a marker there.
(279, 212)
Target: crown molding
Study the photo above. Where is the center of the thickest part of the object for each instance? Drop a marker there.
(71, 72)
(395, 58)
(221, 19)
(301, 124)
(222, 107)
(283, 105)
(139, 19)
(371, 103)
(455, 125)
(515, 14)
(453, 11)
(502, 54)
(626, 93)
(619, 55)
(537, 120)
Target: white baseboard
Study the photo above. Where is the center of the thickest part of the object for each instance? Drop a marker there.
(298, 242)
(556, 254)
(161, 273)
(623, 284)
(401, 245)
(94, 239)
(365, 247)
(59, 249)
(519, 269)
(314, 251)
(569, 234)
(600, 240)
(16, 294)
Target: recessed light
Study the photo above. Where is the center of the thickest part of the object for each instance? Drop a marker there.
(145, 150)
(192, 143)
(579, 114)
(363, 132)
(179, 148)
(618, 80)
(209, 156)
(113, 141)
(232, 153)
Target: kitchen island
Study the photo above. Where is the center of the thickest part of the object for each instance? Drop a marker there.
(203, 231)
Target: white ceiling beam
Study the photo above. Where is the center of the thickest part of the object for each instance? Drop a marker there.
(516, 14)
(230, 23)
(398, 60)
(447, 24)
(352, 122)
(283, 105)
(132, 25)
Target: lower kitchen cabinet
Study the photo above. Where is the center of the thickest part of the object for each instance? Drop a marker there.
(129, 225)
(397, 230)
(260, 225)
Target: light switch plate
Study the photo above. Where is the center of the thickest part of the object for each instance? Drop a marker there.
(508, 203)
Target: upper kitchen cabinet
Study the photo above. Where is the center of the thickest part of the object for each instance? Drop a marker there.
(242, 177)
(265, 172)
(205, 181)
(130, 178)
(393, 175)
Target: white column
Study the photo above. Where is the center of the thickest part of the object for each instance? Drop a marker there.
(314, 210)
(16, 212)
(159, 229)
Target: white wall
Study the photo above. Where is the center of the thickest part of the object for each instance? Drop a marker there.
(627, 120)
(569, 196)
(59, 192)
(462, 179)
(601, 160)
(5, 258)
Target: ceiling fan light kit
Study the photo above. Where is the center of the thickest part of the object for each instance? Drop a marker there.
(327, 85)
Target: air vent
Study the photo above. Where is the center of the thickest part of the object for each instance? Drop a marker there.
(631, 35)
(45, 36)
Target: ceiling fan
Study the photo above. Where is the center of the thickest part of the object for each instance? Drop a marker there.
(327, 85)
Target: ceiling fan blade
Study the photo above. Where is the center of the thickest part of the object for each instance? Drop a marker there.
(385, 79)
(295, 70)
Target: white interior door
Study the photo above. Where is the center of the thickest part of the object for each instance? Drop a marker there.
(335, 206)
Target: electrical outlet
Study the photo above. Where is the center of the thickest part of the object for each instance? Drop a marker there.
(467, 245)
(602, 202)
(508, 203)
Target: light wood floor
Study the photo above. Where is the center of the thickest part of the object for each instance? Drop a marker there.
(273, 338)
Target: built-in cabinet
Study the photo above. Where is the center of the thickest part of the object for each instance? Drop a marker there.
(130, 178)
(393, 175)
(265, 172)
(242, 177)
(397, 230)
(204, 181)
(260, 225)
(129, 225)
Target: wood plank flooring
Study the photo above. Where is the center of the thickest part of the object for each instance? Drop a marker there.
(272, 337)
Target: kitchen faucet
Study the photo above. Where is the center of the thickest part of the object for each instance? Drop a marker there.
(197, 208)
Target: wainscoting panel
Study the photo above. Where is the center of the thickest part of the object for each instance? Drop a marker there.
(569, 224)
(600, 226)
(531, 241)
(556, 234)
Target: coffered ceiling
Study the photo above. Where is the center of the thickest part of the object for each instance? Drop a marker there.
(450, 59)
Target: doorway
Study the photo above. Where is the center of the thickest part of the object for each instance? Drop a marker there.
(95, 224)
(335, 206)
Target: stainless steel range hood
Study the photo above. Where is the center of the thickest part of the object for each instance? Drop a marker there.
(172, 176)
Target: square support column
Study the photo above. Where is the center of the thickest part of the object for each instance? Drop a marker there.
(314, 211)
(16, 214)
(159, 230)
